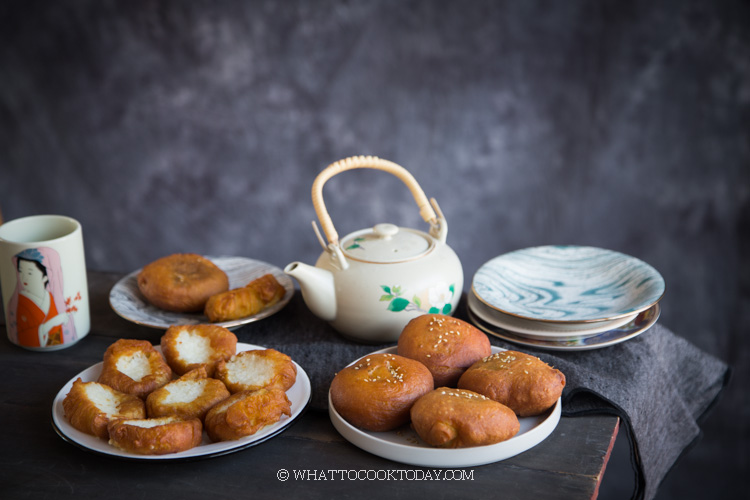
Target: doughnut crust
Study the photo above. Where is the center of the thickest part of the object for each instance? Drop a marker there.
(377, 392)
(525, 383)
(190, 396)
(90, 406)
(134, 367)
(257, 369)
(245, 413)
(181, 282)
(155, 436)
(246, 301)
(447, 346)
(187, 347)
(456, 418)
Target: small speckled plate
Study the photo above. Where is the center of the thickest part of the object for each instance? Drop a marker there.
(568, 284)
(404, 445)
(299, 395)
(127, 301)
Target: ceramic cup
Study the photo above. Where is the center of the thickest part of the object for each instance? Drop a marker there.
(43, 281)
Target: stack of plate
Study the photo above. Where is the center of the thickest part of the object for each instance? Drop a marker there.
(565, 297)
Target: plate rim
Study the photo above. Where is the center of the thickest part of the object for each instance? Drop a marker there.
(534, 343)
(548, 334)
(226, 447)
(278, 273)
(426, 456)
(637, 310)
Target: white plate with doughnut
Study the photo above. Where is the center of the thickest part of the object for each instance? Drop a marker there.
(128, 301)
(404, 445)
(299, 395)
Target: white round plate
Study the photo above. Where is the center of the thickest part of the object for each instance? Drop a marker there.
(127, 301)
(404, 445)
(299, 395)
(642, 322)
(543, 330)
(567, 283)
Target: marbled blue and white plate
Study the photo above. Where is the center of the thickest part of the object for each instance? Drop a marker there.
(568, 284)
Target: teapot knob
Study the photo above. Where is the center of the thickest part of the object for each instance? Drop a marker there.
(385, 231)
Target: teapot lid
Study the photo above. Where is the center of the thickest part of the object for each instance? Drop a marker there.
(387, 243)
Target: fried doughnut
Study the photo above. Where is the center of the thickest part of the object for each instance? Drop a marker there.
(376, 392)
(190, 396)
(134, 367)
(155, 436)
(456, 418)
(90, 406)
(245, 413)
(181, 282)
(446, 346)
(246, 301)
(525, 383)
(187, 347)
(257, 369)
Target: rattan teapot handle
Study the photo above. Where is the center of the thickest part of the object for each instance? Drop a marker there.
(351, 163)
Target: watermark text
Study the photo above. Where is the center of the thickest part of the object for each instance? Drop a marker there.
(375, 475)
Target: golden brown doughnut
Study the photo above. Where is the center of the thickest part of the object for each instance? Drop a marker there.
(257, 369)
(446, 346)
(155, 436)
(187, 347)
(376, 392)
(190, 396)
(90, 406)
(246, 301)
(181, 282)
(245, 413)
(525, 383)
(456, 418)
(134, 367)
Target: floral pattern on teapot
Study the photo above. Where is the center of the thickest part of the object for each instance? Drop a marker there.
(356, 244)
(435, 300)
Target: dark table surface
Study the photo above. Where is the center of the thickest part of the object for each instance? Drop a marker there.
(37, 463)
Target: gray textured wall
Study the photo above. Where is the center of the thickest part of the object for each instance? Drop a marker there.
(200, 126)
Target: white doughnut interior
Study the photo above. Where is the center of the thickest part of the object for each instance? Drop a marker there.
(193, 348)
(135, 366)
(184, 391)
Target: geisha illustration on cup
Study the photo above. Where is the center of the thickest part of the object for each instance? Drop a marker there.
(39, 314)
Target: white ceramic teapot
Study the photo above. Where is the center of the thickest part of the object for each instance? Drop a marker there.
(369, 284)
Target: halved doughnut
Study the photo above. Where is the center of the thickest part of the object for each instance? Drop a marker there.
(134, 367)
(245, 413)
(257, 369)
(190, 396)
(90, 406)
(155, 436)
(187, 347)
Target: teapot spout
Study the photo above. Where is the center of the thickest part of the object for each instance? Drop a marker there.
(317, 289)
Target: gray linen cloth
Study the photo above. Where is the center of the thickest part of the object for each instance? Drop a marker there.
(659, 384)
